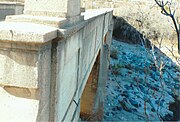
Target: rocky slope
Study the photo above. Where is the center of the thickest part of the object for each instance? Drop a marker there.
(143, 85)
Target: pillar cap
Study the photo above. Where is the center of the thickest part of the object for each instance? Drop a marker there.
(26, 32)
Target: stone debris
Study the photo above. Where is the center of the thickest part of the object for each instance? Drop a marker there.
(136, 89)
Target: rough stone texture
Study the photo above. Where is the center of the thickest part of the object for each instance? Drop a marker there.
(18, 68)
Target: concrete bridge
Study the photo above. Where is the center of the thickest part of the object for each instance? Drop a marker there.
(54, 61)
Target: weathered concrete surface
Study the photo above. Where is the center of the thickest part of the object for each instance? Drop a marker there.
(90, 93)
(20, 68)
(48, 67)
(50, 21)
(25, 55)
(26, 32)
(25, 69)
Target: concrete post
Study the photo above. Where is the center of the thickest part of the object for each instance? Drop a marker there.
(99, 101)
(25, 71)
(55, 8)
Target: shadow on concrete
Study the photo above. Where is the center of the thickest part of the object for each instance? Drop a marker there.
(22, 92)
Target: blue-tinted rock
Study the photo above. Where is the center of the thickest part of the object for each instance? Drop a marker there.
(125, 94)
(113, 113)
(167, 117)
(113, 109)
(153, 110)
(118, 108)
(134, 103)
(107, 114)
(134, 110)
(176, 86)
(142, 88)
(159, 102)
(170, 93)
(127, 87)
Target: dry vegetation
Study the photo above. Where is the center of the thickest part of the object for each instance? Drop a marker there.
(140, 19)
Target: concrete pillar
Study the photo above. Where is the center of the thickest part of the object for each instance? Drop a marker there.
(25, 71)
(55, 8)
(99, 102)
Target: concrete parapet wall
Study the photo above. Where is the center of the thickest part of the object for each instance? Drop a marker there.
(44, 70)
